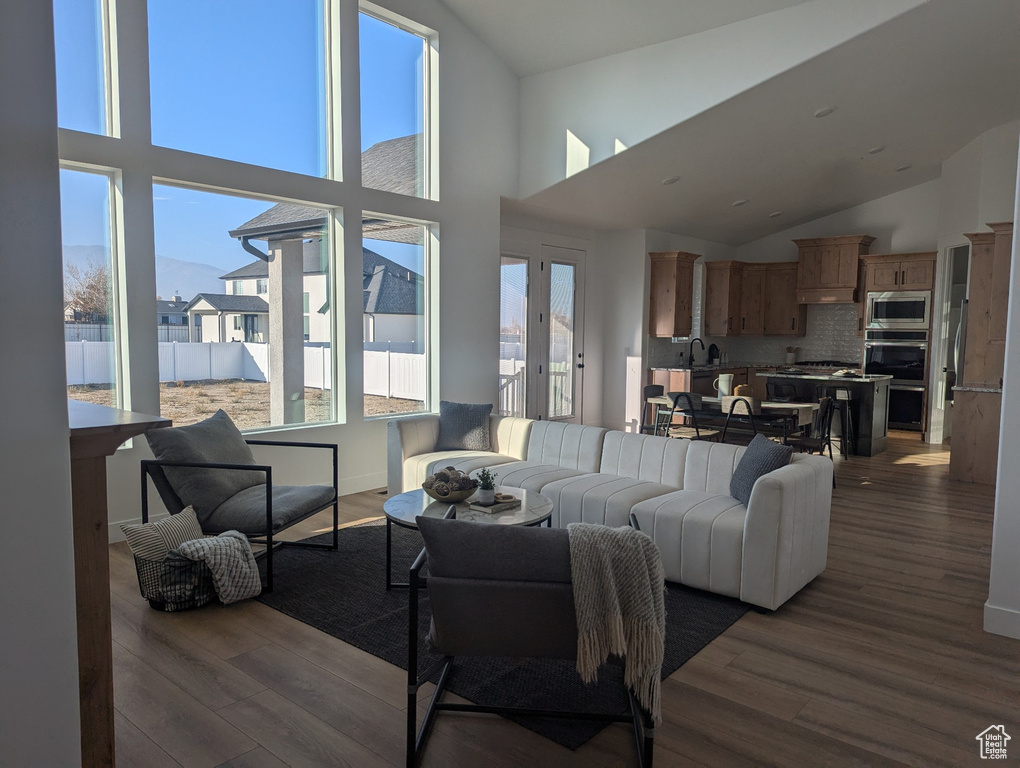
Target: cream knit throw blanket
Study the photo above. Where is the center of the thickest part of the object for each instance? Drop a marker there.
(618, 598)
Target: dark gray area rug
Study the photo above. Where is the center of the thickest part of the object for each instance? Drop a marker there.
(343, 593)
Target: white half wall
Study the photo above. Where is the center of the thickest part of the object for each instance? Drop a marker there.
(1002, 610)
(629, 97)
(38, 638)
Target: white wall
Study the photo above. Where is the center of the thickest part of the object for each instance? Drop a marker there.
(632, 96)
(38, 641)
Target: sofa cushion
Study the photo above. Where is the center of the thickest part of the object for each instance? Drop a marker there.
(533, 476)
(417, 468)
(599, 498)
(216, 439)
(571, 446)
(645, 457)
(761, 457)
(709, 466)
(700, 536)
(464, 427)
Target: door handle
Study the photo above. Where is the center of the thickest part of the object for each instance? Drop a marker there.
(580, 365)
(793, 323)
(896, 278)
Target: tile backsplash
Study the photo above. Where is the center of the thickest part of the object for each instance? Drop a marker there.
(831, 335)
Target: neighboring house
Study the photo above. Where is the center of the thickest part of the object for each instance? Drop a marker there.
(223, 317)
(392, 294)
(173, 312)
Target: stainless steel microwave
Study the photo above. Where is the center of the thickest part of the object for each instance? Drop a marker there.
(903, 310)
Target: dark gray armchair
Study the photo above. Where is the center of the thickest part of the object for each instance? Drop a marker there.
(496, 591)
(209, 466)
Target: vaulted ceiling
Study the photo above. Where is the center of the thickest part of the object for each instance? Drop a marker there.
(921, 86)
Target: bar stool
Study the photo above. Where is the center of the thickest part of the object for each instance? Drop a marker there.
(842, 402)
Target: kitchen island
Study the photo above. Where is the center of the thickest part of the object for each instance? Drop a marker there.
(869, 402)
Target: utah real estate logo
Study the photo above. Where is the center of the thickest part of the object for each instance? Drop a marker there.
(993, 742)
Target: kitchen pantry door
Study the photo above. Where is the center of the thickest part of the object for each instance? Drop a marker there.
(541, 334)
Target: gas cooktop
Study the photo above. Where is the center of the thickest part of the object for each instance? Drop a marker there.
(826, 364)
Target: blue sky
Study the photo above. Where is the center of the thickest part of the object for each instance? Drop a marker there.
(239, 79)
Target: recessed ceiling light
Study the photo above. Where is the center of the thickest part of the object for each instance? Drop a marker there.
(825, 111)
(902, 168)
(738, 203)
(775, 213)
(671, 180)
(876, 150)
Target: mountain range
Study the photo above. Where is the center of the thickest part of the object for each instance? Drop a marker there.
(173, 276)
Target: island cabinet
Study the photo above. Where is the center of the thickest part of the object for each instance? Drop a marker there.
(900, 272)
(670, 309)
(783, 316)
(828, 269)
(722, 298)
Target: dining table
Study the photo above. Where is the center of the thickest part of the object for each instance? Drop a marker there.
(787, 414)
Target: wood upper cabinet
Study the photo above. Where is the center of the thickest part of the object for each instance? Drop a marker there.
(783, 316)
(672, 294)
(752, 304)
(862, 297)
(988, 303)
(722, 298)
(901, 272)
(827, 268)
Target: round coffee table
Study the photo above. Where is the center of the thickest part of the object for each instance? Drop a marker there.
(404, 509)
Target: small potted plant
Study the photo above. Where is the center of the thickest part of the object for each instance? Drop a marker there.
(486, 487)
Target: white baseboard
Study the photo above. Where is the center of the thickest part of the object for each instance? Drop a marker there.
(1002, 621)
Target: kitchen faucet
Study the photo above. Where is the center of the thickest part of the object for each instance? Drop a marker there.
(690, 350)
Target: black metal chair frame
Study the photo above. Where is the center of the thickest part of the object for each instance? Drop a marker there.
(650, 390)
(783, 419)
(149, 468)
(644, 728)
(689, 411)
(824, 429)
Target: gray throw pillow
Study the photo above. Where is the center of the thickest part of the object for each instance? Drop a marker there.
(464, 427)
(761, 457)
(216, 439)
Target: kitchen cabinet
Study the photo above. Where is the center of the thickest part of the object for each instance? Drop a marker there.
(827, 268)
(752, 305)
(722, 298)
(900, 272)
(988, 304)
(862, 297)
(782, 315)
(671, 304)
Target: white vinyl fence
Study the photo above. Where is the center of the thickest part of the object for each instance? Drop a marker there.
(389, 374)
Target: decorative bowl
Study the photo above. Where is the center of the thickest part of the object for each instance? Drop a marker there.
(453, 497)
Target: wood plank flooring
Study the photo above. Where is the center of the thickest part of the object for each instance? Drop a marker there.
(881, 661)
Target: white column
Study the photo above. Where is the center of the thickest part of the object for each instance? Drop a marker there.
(39, 687)
(1002, 610)
(286, 333)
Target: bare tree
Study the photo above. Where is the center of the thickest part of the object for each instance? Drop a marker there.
(87, 289)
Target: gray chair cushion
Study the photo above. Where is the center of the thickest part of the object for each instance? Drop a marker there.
(462, 550)
(761, 457)
(245, 511)
(216, 439)
(464, 427)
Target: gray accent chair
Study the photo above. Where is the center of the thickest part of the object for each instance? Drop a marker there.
(496, 591)
(209, 466)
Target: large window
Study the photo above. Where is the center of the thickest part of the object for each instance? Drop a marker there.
(90, 307)
(395, 259)
(81, 52)
(236, 276)
(228, 361)
(241, 80)
(394, 130)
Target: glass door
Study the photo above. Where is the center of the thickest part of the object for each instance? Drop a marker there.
(513, 335)
(561, 322)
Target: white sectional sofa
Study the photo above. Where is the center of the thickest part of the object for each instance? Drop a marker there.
(679, 491)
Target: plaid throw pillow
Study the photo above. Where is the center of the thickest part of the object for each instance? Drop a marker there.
(153, 541)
